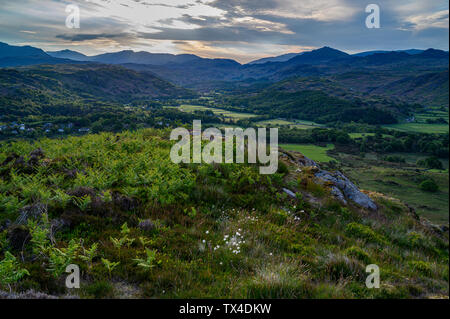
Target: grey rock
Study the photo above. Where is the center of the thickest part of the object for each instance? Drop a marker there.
(347, 189)
(336, 192)
(289, 192)
(304, 161)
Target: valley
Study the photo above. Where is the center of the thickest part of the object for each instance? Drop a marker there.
(86, 175)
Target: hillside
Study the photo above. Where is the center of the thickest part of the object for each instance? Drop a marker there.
(30, 89)
(317, 99)
(26, 55)
(140, 226)
(369, 72)
(430, 89)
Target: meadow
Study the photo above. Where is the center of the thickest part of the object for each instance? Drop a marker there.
(401, 181)
(314, 152)
(419, 127)
(225, 113)
(422, 126)
(304, 125)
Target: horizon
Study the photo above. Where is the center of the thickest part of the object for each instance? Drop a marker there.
(134, 51)
(232, 29)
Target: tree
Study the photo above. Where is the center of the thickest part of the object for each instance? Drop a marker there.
(429, 185)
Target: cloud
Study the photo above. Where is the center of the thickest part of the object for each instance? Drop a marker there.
(85, 37)
(243, 29)
(429, 20)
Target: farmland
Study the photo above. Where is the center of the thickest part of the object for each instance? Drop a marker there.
(314, 152)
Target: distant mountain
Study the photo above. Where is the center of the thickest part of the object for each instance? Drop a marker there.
(321, 55)
(7, 51)
(25, 55)
(434, 54)
(367, 53)
(195, 72)
(68, 54)
(280, 58)
(129, 56)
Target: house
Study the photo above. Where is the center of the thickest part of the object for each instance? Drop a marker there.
(84, 130)
(60, 130)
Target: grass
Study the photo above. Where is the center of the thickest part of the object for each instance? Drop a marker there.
(300, 124)
(314, 152)
(217, 111)
(217, 231)
(412, 158)
(402, 182)
(419, 127)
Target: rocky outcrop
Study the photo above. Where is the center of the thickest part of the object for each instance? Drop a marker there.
(342, 188)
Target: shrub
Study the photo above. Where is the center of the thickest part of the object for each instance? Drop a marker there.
(429, 185)
(339, 267)
(359, 254)
(431, 163)
(421, 266)
(10, 271)
(394, 159)
(364, 232)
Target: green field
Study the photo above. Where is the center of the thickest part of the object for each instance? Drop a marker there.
(225, 113)
(403, 184)
(360, 135)
(419, 127)
(314, 152)
(400, 181)
(299, 124)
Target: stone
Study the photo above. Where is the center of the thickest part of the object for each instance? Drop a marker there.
(346, 188)
(289, 192)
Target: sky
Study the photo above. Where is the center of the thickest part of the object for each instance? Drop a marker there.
(243, 30)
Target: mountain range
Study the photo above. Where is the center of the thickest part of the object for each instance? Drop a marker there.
(370, 72)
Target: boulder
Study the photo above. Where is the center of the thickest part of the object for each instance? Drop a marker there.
(343, 189)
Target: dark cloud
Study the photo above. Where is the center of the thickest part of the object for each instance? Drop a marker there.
(86, 37)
